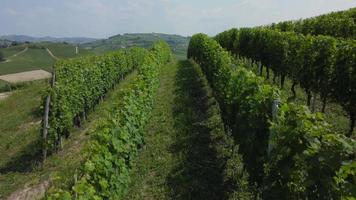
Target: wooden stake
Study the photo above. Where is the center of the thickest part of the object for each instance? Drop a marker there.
(45, 121)
(45, 127)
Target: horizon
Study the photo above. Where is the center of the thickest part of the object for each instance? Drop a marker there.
(101, 19)
(48, 36)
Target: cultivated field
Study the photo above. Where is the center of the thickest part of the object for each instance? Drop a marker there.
(35, 56)
(26, 76)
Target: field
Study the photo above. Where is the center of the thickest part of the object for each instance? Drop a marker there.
(36, 57)
(62, 50)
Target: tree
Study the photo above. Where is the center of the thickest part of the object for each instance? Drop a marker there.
(1, 56)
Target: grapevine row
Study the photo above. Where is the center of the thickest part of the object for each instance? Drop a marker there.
(337, 24)
(233, 174)
(288, 152)
(117, 139)
(79, 84)
(319, 64)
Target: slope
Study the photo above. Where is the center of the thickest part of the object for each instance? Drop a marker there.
(19, 169)
(179, 44)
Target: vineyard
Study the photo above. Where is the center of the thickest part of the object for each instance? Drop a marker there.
(252, 113)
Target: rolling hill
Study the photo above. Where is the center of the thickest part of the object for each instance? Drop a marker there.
(32, 56)
(25, 38)
(179, 44)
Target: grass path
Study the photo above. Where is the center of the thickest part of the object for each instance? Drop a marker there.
(51, 54)
(16, 54)
(177, 161)
(18, 166)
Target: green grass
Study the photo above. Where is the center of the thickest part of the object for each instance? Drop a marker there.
(19, 116)
(32, 59)
(36, 57)
(12, 50)
(4, 86)
(63, 50)
(177, 160)
(19, 133)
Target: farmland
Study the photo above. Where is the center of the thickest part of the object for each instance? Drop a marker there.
(263, 112)
(18, 59)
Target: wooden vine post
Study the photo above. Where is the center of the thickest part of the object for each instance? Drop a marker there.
(45, 121)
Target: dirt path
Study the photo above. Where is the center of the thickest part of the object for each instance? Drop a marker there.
(21, 52)
(36, 192)
(51, 54)
(16, 54)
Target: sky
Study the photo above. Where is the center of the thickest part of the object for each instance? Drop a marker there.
(104, 18)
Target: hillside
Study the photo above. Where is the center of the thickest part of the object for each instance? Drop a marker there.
(25, 38)
(34, 56)
(179, 44)
(253, 113)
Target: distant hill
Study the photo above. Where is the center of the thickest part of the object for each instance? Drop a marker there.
(179, 44)
(25, 38)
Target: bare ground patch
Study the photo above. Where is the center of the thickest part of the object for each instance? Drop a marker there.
(31, 193)
(26, 76)
(4, 95)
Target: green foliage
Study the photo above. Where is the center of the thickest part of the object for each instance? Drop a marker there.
(344, 79)
(337, 24)
(289, 152)
(81, 82)
(116, 140)
(235, 177)
(319, 64)
(306, 157)
(231, 88)
(6, 87)
(1, 56)
(346, 181)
